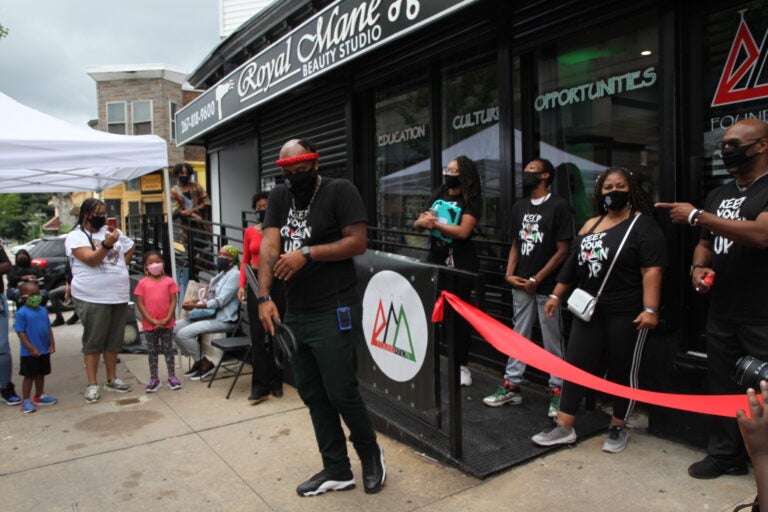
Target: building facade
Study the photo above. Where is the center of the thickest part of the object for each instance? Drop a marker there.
(390, 91)
(143, 100)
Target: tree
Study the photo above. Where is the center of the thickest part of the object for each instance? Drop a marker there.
(22, 214)
(3, 31)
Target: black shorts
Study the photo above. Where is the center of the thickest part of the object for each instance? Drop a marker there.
(35, 366)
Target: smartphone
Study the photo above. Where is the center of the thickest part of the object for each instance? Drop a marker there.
(112, 223)
(344, 314)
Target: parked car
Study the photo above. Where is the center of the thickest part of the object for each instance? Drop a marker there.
(28, 246)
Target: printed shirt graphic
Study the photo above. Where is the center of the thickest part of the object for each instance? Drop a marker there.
(541, 227)
(735, 264)
(593, 253)
(106, 283)
(319, 285)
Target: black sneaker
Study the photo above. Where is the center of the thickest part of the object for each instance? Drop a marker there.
(73, 319)
(323, 482)
(709, 468)
(257, 398)
(203, 372)
(59, 320)
(374, 471)
(9, 396)
(193, 370)
(277, 391)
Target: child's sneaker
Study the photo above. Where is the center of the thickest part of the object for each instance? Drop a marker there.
(117, 385)
(174, 383)
(44, 400)
(27, 406)
(92, 393)
(152, 386)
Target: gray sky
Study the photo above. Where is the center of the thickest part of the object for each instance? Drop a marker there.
(43, 58)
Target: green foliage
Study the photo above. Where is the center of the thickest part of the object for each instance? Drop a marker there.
(3, 31)
(21, 215)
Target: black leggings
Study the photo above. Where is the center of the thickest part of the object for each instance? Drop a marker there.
(609, 344)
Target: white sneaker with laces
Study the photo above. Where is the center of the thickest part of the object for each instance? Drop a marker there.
(616, 440)
(92, 393)
(554, 436)
(465, 376)
(117, 385)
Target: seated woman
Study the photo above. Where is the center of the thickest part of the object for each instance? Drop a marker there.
(23, 271)
(222, 297)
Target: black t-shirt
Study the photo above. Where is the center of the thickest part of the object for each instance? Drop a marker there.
(541, 227)
(741, 273)
(17, 272)
(3, 259)
(463, 252)
(592, 254)
(319, 285)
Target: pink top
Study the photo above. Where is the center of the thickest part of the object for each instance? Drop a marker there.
(251, 244)
(157, 299)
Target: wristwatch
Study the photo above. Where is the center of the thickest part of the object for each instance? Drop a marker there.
(306, 251)
(263, 299)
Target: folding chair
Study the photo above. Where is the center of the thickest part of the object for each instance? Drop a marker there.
(237, 345)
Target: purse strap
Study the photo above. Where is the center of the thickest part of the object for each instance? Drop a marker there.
(618, 251)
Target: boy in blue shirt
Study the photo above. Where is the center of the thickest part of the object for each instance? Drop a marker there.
(37, 344)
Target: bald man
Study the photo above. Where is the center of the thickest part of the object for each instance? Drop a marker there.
(730, 264)
(312, 229)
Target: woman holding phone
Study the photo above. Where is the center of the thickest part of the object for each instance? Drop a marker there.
(100, 289)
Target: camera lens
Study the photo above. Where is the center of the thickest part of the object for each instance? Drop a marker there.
(749, 371)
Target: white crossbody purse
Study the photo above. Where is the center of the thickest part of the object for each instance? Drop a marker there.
(581, 303)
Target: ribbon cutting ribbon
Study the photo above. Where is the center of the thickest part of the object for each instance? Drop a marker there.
(508, 342)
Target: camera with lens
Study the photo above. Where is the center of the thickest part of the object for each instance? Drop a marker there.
(749, 371)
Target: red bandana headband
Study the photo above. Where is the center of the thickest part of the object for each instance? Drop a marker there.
(283, 162)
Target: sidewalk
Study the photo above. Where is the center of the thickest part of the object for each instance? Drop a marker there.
(191, 449)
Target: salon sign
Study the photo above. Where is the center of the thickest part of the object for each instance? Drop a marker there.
(343, 31)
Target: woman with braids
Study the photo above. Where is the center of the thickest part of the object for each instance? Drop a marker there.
(99, 256)
(627, 308)
(451, 243)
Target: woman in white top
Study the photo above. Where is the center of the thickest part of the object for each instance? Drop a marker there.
(100, 290)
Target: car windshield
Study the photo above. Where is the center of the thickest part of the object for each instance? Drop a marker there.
(48, 249)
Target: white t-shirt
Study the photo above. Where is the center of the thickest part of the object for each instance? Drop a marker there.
(107, 282)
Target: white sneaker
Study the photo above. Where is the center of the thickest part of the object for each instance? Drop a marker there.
(616, 440)
(92, 393)
(465, 376)
(117, 385)
(554, 436)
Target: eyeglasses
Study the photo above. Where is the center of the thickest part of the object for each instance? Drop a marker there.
(450, 171)
(736, 143)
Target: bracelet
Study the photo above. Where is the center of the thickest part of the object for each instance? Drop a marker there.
(263, 299)
(651, 310)
(553, 296)
(107, 247)
(533, 280)
(693, 216)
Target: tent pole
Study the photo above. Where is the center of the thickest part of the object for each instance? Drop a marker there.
(169, 213)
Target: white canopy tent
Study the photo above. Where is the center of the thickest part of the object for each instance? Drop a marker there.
(40, 153)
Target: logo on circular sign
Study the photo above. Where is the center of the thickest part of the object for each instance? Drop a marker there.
(395, 325)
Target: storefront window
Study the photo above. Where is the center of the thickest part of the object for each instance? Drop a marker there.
(403, 175)
(597, 106)
(735, 80)
(470, 114)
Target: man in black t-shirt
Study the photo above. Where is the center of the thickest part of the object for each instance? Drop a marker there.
(313, 228)
(539, 247)
(729, 263)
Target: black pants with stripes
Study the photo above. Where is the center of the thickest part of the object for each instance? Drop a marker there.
(608, 345)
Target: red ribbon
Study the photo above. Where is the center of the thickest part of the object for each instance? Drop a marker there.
(508, 342)
(283, 162)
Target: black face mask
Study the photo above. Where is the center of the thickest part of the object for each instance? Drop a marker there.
(184, 180)
(530, 180)
(222, 263)
(734, 157)
(98, 221)
(452, 181)
(260, 216)
(22, 262)
(615, 199)
(301, 183)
